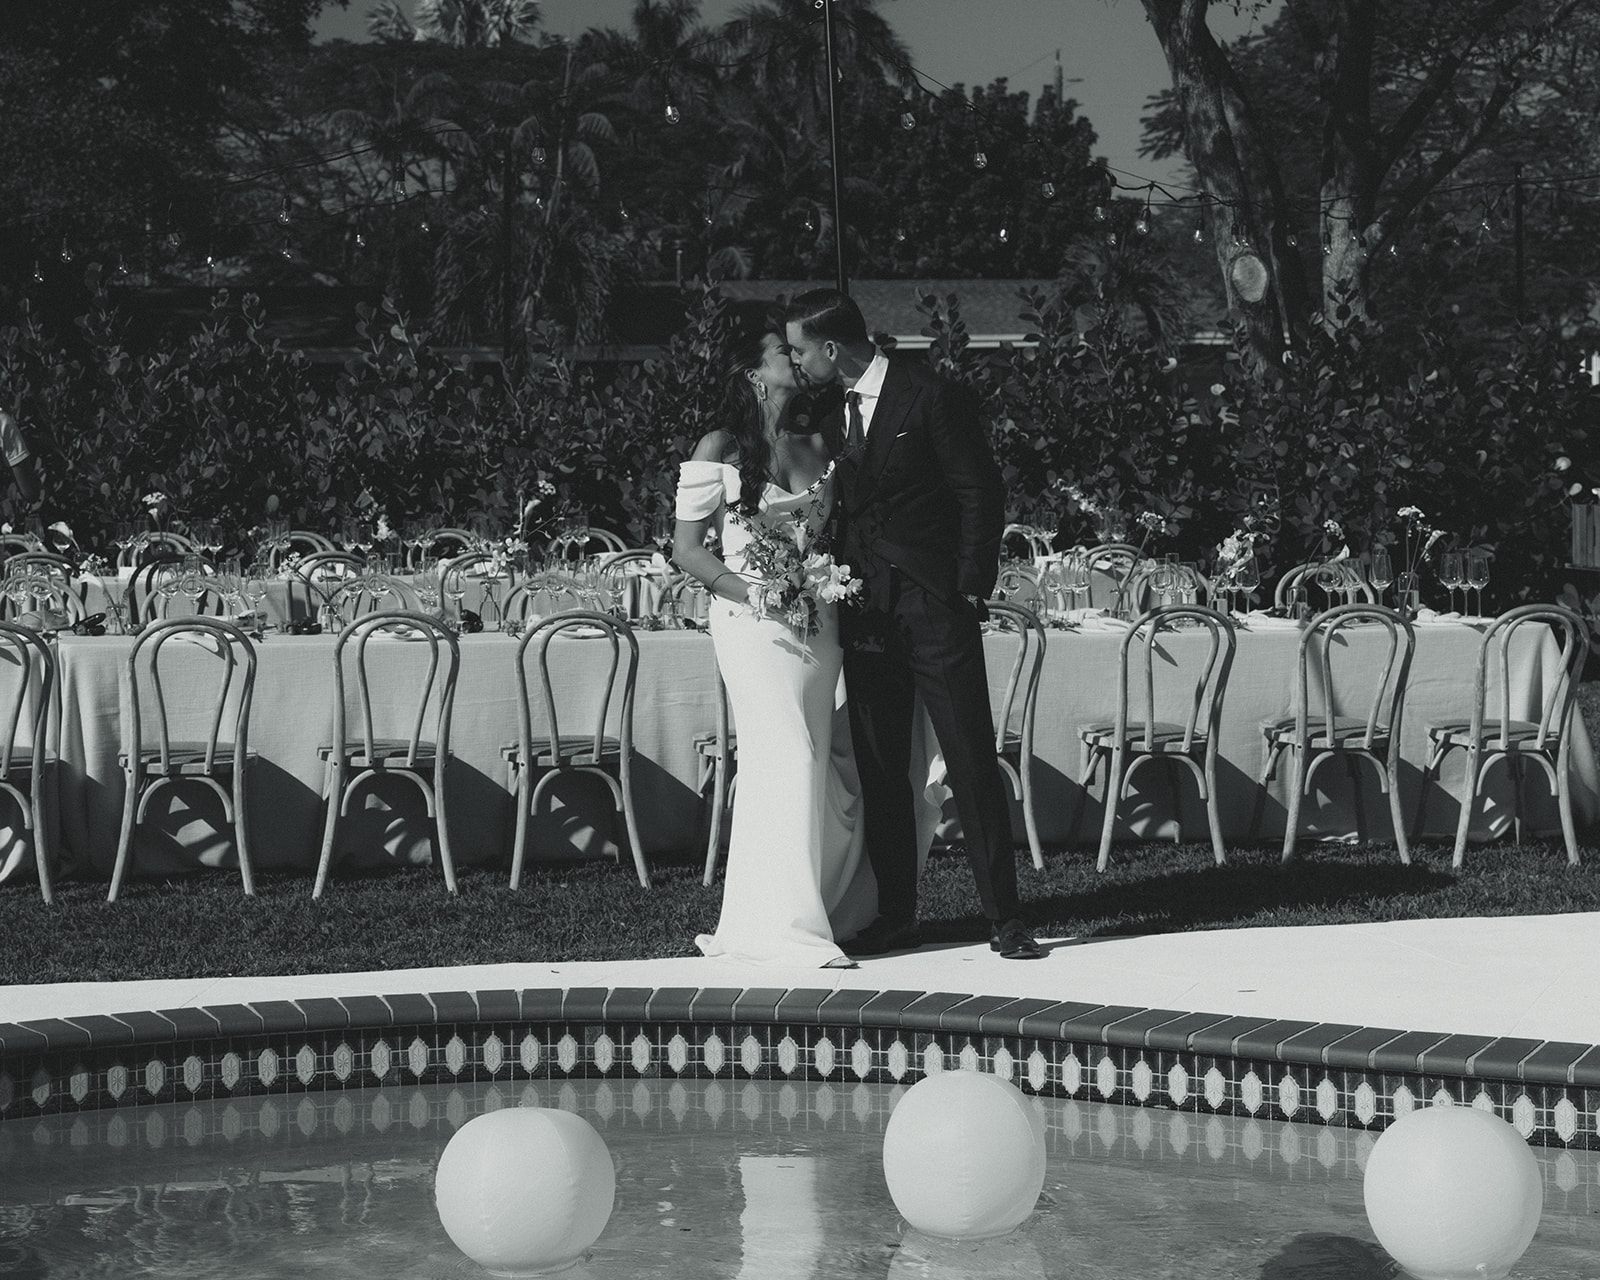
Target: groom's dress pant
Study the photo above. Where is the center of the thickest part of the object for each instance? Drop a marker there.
(923, 644)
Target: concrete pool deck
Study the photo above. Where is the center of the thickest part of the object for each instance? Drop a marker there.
(1349, 1024)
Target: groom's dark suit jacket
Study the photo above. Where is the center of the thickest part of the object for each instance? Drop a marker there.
(926, 495)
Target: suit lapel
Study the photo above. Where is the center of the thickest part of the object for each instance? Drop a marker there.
(888, 418)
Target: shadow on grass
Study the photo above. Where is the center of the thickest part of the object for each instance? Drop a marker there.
(1252, 888)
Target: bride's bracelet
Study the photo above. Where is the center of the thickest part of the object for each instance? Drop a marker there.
(726, 573)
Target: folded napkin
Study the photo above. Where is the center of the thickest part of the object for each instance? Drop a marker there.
(1433, 615)
(1260, 620)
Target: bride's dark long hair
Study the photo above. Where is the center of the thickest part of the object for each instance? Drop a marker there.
(741, 415)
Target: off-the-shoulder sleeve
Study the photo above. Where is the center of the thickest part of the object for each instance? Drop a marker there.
(703, 487)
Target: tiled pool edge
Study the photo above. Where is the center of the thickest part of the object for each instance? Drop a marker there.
(1344, 1075)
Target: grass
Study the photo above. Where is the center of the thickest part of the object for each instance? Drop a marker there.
(202, 926)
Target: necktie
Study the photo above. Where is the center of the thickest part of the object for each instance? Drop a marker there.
(855, 435)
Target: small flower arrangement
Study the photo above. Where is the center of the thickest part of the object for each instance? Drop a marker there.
(158, 507)
(103, 572)
(1418, 540)
(795, 573)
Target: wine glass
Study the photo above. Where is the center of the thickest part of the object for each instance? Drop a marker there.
(1477, 575)
(192, 581)
(167, 580)
(1382, 572)
(1451, 575)
(661, 530)
(1247, 576)
(255, 592)
(454, 588)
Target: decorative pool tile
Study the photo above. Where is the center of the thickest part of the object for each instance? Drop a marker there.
(280, 1067)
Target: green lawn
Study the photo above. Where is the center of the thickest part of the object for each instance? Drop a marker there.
(201, 926)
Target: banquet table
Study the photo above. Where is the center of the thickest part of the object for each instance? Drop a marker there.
(675, 700)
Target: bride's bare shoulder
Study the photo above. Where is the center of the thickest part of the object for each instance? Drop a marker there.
(715, 446)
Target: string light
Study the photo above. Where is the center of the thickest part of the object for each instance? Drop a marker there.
(285, 211)
(1111, 239)
(66, 250)
(673, 114)
(174, 240)
(399, 190)
(537, 155)
(908, 121)
(1142, 223)
(1047, 189)
(1200, 229)
(980, 160)
(1005, 235)
(38, 274)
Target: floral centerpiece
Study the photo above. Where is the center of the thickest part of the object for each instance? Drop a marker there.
(1418, 540)
(105, 574)
(795, 573)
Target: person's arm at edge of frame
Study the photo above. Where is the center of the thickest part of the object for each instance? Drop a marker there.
(689, 550)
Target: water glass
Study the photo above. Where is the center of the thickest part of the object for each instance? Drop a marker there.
(1451, 573)
(1382, 572)
(1477, 575)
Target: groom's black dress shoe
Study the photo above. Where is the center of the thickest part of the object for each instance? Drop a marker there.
(1013, 941)
(883, 936)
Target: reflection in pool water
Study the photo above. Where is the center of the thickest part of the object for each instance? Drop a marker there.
(764, 1180)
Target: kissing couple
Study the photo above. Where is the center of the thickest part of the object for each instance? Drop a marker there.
(900, 484)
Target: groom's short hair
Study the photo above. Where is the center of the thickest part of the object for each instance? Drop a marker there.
(829, 315)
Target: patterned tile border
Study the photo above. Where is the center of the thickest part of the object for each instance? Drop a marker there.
(1194, 1063)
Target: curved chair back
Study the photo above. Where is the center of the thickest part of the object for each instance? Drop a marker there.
(440, 544)
(573, 625)
(17, 543)
(1326, 709)
(27, 693)
(1332, 577)
(235, 678)
(292, 542)
(568, 547)
(1560, 699)
(1018, 582)
(377, 593)
(1014, 721)
(1203, 709)
(151, 545)
(1109, 566)
(37, 583)
(325, 575)
(443, 650)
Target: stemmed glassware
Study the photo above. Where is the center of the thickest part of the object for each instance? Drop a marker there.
(1477, 575)
(255, 593)
(1381, 574)
(661, 529)
(193, 582)
(454, 587)
(1451, 575)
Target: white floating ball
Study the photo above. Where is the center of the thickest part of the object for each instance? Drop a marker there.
(525, 1190)
(964, 1156)
(1453, 1193)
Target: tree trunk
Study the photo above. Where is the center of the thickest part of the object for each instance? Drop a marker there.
(1245, 213)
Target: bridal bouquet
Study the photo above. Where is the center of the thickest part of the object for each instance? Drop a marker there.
(795, 575)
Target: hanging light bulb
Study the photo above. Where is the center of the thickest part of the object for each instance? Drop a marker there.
(1111, 239)
(66, 250)
(1047, 189)
(1141, 224)
(1484, 222)
(211, 262)
(1098, 213)
(1292, 240)
(286, 253)
(174, 240)
(399, 189)
(1005, 235)
(361, 241)
(673, 114)
(810, 222)
(622, 212)
(899, 234)
(285, 211)
(907, 121)
(423, 225)
(121, 273)
(1200, 231)
(537, 155)
(1394, 250)
(1327, 247)
(38, 274)
(980, 160)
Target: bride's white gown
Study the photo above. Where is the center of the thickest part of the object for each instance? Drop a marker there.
(797, 874)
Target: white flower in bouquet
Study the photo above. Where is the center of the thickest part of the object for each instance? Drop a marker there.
(384, 531)
(830, 581)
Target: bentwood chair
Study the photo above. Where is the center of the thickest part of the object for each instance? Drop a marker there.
(27, 682)
(718, 754)
(360, 754)
(300, 542)
(1018, 582)
(153, 545)
(1349, 700)
(1492, 736)
(1014, 722)
(1109, 565)
(1342, 578)
(1131, 740)
(440, 544)
(550, 753)
(218, 759)
(324, 576)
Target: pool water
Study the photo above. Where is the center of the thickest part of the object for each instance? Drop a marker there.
(764, 1180)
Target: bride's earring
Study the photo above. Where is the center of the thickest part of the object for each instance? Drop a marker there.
(761, 391)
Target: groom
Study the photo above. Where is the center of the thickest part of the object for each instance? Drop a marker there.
(920, 505)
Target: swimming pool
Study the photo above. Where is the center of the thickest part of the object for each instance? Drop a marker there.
(745, 1179)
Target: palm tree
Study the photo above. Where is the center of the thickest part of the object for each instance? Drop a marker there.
(466, 24)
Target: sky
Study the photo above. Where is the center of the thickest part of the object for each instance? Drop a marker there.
(1106, 47)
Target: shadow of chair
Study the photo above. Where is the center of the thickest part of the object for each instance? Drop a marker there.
(28, 687)
(1013, 739)
(353, 759)
(1126, 742)
(1493, 736)
(553, 754)
(218, 761)
(1321, 726)
(717, 752)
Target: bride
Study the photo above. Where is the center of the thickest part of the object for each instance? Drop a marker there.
(797, 877)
